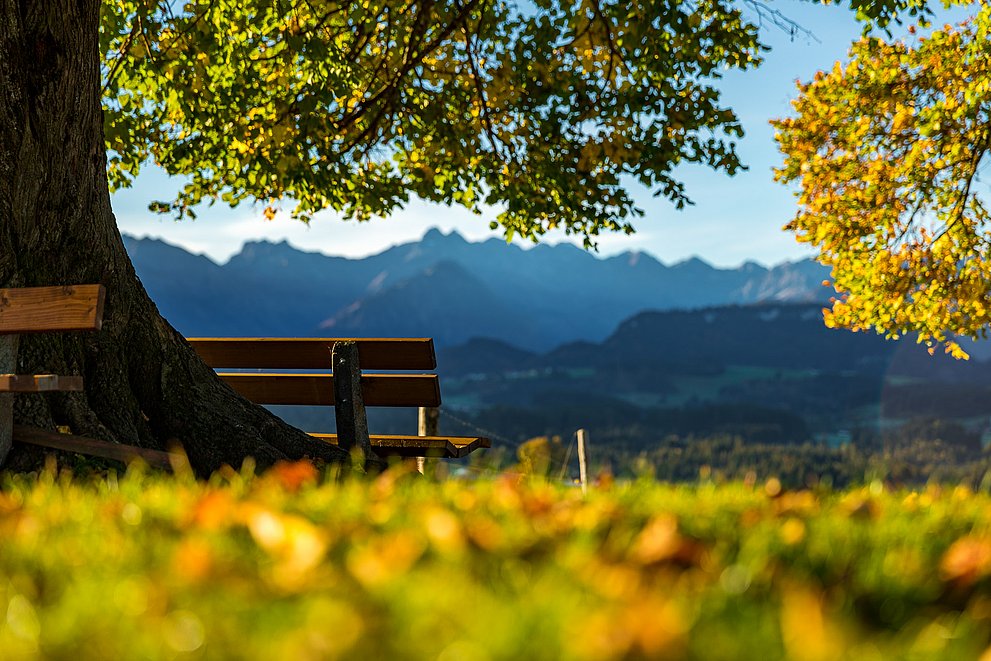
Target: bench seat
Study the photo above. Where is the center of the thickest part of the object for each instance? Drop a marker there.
(447, 447)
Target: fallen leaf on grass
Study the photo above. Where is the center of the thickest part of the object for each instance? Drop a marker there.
(193, 560)
(294, 542)
(660, 541)
(213, 511)
(292, 475)
(649, 627)
(967, 560)
(383, 559)
(444, 530)
(807, 633)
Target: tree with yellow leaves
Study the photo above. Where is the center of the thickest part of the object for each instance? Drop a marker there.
(888, 150)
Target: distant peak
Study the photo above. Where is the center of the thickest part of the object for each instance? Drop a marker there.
(638, 258)
(255, 250)
(266, 243)
(695, 262)
(133, 244)
(435, 235)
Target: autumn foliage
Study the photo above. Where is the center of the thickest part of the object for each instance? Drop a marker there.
(887, 150)
(290, 565)
(546, 110)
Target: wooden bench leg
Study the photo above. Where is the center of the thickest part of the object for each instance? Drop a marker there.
(8, 365)
(427, 418)
(349, 406)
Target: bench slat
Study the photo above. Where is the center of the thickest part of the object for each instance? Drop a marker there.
(39, 383)
(467, 445)
(450, 447)
(318, 389)
(41, 309)
(90, 446)
(313, 353)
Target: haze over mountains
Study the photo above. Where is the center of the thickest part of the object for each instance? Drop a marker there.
(446, 288)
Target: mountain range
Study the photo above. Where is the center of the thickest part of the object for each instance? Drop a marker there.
(538, 341)
(715, 354)
(445, 287)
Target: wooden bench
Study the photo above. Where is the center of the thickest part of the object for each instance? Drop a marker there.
(40, 310)
(80, 308)
(339, 362)
(47, 310)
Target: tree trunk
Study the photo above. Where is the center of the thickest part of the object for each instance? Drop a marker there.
(144, 385)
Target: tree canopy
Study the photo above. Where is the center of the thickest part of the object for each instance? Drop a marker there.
(546, 114)
(547, 111)
(888, 151)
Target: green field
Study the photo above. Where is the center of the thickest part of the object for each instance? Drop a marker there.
(286, 565)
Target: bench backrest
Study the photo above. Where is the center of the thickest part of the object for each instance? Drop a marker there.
(315, 354)
(45, 309)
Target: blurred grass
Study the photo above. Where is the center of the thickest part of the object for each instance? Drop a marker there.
(292, 565)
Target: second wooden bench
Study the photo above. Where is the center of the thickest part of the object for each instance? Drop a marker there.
(316, 386)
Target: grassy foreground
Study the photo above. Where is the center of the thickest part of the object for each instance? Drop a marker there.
(279, 566)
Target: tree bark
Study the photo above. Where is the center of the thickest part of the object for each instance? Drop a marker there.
(144, 385)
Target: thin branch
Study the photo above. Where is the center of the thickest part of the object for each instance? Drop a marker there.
(393, 83)
(613, 55)
(780, 21)
(122, 55)
(961, 205)
(482, 96)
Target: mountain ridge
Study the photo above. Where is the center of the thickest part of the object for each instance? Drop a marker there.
(536, 299)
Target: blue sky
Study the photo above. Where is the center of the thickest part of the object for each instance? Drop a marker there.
(734, 220)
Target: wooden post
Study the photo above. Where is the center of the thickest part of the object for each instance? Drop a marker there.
(427, 419)
(567, 458)
(349, 407)
(8, 365)
(583, 459)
